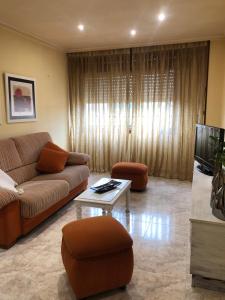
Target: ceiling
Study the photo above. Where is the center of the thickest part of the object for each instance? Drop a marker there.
(108, 23)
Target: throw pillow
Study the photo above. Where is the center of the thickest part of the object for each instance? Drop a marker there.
(52, 161)
(53, 146)
(7, 182)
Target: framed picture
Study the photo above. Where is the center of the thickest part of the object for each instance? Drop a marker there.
(20, 98)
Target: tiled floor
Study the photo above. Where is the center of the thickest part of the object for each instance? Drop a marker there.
(159, 225)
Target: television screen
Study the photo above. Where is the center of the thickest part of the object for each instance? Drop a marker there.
(205, 146)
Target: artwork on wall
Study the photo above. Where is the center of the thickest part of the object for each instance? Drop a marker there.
(20, 98)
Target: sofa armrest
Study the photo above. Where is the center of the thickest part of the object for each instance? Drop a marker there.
(6, 197)
(76, 158)
(10, 219)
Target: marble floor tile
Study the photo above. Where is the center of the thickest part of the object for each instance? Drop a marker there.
(159, 225)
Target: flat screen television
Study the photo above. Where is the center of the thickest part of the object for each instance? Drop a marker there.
(205, 147)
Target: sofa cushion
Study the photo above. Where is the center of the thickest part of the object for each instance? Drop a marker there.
(74, 175)
(9, 156)
(52, 161)
(24, 173)
(29, 146)
(40, 195)
(95, 236)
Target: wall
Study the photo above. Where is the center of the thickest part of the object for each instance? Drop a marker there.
(215, 112)
(25, 56)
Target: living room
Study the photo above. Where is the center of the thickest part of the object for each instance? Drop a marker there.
(119, 88)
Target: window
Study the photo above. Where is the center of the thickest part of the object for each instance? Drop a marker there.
(116, 97)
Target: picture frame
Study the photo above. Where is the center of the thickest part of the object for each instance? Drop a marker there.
(20, 98)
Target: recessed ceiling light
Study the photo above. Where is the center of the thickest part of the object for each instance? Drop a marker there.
(80, 27)
(161, 17)
(133, 32)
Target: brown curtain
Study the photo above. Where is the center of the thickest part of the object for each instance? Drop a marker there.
(139, 104)
(98, 105)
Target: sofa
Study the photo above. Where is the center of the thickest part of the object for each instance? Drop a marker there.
(43, 194)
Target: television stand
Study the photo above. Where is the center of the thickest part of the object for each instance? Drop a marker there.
(204, 170)
(207, 260)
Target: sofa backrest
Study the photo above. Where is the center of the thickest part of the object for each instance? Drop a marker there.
(9, 156)
(24, 173)
(29, 146)
(18, 156)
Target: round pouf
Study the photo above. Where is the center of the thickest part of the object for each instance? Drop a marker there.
(97, 254)
(136, 172)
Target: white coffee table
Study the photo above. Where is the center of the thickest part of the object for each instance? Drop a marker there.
(105, 201)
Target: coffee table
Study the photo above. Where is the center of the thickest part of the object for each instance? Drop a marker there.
(105, 201)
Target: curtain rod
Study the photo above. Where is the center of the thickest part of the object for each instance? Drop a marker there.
(143, 48)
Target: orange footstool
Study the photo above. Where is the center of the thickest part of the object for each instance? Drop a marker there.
(97, 255)
(136, 172)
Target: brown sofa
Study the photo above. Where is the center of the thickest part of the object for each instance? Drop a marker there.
(43, 193)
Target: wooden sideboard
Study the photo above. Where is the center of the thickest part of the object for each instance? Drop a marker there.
(207, 264)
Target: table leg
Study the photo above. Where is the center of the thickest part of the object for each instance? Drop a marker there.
(103, 212)
(128, 201)
(79, 212)
(128, 222)
(109, 212)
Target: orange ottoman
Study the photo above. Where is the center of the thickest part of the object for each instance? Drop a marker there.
(97, 255)
(136, 172)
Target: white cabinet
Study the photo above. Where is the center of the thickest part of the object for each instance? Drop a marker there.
(207, 264)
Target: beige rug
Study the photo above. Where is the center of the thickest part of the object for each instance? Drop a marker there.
(159, 225)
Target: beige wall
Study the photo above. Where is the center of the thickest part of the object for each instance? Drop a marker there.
(215, 113)
(25, 56)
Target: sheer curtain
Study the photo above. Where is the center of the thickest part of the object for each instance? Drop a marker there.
(169, 94)
(139, 104)
(98, 105)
